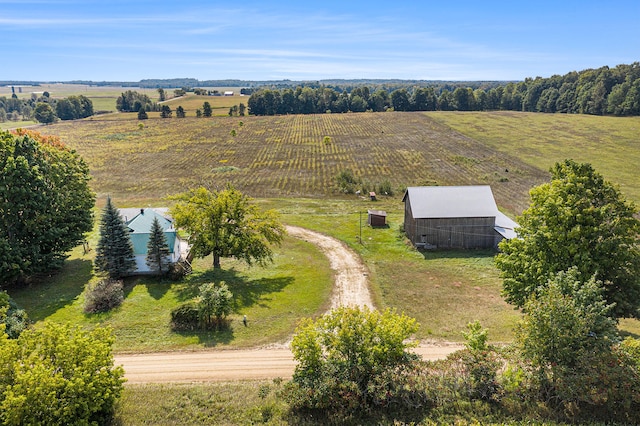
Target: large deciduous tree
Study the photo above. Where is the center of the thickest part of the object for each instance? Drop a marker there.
(225, 223)
(45, 203)
(114, 252)
(576, 220)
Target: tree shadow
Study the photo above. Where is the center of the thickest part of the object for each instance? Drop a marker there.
(246, 293)
(624, 334)
(210, 338)
(457, 253)
(46, 294)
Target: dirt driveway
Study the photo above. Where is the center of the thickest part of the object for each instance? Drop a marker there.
(350, 289)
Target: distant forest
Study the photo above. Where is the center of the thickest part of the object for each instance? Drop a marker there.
(602, 91)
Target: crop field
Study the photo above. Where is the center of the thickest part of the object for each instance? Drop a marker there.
(290, 156)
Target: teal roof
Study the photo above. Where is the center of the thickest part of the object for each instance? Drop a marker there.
(140, 227)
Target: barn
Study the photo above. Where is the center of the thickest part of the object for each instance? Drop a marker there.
(454, 217)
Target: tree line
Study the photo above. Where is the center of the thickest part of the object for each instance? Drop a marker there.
(602, 91)
(44, 108)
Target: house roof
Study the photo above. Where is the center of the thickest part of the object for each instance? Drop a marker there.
(140, 220)
(143, 221)
(451, 201)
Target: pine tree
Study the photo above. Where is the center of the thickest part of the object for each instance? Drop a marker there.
(157, 249)
(114, 253)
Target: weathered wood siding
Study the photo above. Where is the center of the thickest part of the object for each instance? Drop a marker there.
(446, 233)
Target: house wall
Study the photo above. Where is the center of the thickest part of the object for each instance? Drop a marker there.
(174, 256)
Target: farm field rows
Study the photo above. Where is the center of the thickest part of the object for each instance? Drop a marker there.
(289, 155)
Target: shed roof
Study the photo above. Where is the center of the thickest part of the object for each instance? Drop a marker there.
(377, 213)
(451, 201)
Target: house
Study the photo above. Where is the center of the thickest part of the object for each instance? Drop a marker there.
(461, 217)
(228, 93)
(139, 222)
(376, 218)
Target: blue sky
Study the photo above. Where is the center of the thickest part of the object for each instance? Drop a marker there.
(62, 40)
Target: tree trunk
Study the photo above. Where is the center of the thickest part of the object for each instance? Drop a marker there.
(216, 261)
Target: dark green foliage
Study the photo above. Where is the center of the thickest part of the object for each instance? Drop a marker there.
(207, 311)
(45, 204)
(207, 111)
(180, 112)
(74, 107)
(185, 317)
(157, 250)
(14, 319)
(131, 101)
(577, 220)
(214, 304)
(104, 296)
(165, 111)
(114, 252)
(43, 113)
(346, 182)
(593, 91)
(142, 114)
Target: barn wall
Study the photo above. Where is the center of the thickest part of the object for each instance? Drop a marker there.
(466, 233)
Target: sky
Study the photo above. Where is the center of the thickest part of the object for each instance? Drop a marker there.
(118, 40)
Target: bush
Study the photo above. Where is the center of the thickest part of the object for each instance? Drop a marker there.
(58, 374)
(15, 319)
(104, 296)
(354, 363)
(185, 317)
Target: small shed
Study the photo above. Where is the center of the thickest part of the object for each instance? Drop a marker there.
(376, 218)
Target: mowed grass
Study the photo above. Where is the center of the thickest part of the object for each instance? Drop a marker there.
(296, 285)
(234, 403)
(610, 144)
(443, 290)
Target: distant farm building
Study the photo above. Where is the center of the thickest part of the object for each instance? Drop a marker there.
(454, 217)
(228, 93)
(376, 218)
(139, 222)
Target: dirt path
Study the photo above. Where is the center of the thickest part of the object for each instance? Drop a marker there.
(350, 289)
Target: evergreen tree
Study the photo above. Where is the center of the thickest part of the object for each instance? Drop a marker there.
(142, 114)
(114, 253)
(157, 249)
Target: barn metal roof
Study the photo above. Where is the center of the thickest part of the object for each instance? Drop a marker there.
(451, 201)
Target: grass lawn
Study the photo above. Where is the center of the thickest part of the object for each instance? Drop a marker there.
(297, 285)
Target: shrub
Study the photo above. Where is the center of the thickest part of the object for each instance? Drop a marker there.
(104, 296)
(185, 317)
(354, 363)
(347, 182)
(58, 374)
(15, 319)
